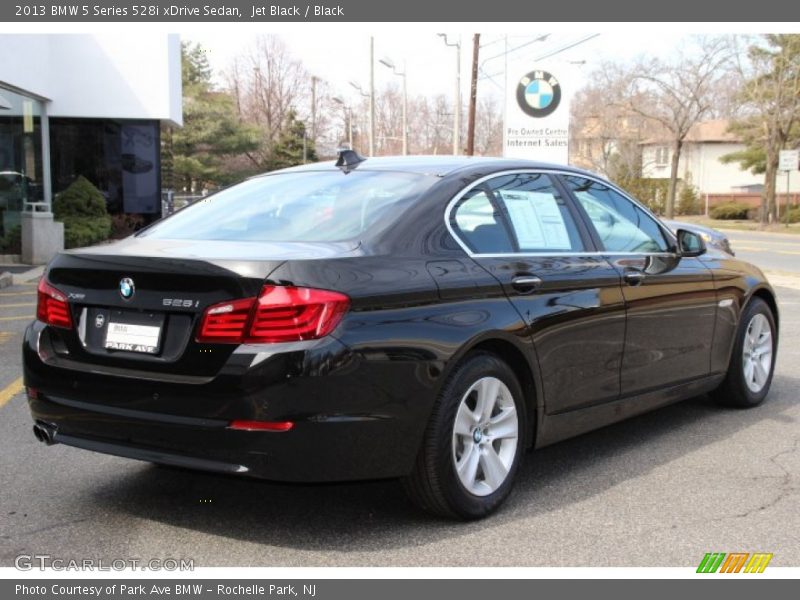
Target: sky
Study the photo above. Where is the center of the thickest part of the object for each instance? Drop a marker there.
(340, 57)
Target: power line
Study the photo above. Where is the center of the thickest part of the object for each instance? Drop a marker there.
(540, 38)
(578, 43)
(542, 57)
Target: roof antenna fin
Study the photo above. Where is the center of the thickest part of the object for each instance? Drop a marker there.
(348, 159)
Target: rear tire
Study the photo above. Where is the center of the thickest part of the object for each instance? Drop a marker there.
(473, 443)
(752, 363)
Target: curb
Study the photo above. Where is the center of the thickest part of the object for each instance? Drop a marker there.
(28, 276)
(6, 279)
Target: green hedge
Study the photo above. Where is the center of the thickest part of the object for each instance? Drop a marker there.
(82, 209)
(729, 211)
(794, 215)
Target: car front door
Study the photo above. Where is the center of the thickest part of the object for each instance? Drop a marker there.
(670, 300)
(523, 229)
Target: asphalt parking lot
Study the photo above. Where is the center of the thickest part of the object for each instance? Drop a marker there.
(659, 490)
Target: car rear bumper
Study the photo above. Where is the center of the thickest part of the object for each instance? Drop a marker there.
(352, 419)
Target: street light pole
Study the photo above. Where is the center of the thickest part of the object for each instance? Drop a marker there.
(348, 119)
(371, 96)
(457, 111)
(387, 62)
(364, 95)
(314, 108)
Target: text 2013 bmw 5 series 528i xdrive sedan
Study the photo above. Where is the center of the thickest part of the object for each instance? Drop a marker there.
(422, 318)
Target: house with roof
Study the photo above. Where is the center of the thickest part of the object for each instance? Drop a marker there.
(700, 165)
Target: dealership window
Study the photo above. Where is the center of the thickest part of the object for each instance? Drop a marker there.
(21, 176)
(120, 157)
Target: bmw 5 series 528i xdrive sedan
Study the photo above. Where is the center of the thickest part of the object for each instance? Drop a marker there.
(422, 318)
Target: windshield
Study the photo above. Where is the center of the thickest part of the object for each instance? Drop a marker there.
(316, 206)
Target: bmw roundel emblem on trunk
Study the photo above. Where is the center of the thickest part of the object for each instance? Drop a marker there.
(126, 288)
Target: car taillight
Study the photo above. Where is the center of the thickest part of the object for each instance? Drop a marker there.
(226, 322)
(279, 314)
(52, 306)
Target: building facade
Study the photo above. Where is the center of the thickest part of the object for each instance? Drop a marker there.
(82, 105)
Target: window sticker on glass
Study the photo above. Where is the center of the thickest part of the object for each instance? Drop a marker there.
(537, 220)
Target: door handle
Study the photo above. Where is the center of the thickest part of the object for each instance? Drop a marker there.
(526, 283)
(633, 278)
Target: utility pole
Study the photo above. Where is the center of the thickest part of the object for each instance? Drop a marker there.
(388, 63)
(473, 95)
(457, 111)
(371, 96)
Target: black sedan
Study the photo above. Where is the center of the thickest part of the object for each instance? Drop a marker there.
(422, 318)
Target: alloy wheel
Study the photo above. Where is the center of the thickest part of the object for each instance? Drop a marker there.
(485, 436)
(757, 353)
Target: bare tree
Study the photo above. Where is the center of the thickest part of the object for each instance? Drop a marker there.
(679, 93)
(488, 127)
(268, 84)
(605, 134)
(770, 107)
(389, 120)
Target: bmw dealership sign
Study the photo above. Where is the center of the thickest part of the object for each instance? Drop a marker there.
(537, 116)
(538, 94)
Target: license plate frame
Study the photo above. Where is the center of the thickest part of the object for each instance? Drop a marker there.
(125, 336)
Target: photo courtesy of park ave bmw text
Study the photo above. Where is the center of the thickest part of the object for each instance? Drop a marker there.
(346, 300)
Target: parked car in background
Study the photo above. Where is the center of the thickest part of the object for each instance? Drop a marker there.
(425, 318)
(712, 237)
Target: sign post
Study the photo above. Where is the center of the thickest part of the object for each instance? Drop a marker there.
(788, 160)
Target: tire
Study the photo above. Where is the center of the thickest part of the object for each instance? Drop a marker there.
(752, 363)
(487, 443)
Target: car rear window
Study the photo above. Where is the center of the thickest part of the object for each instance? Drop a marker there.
(315, 206)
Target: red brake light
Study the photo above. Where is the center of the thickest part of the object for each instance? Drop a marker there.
(52, 306)
(285, 314)
(225, 322)
(261, 425)
(279, 314)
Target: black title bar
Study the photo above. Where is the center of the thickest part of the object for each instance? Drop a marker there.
(445, 11)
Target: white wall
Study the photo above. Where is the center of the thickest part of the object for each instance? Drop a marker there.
(701, 163)
(122, 76)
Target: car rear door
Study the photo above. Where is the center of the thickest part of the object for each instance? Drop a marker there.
(522, 228)
(670, 300)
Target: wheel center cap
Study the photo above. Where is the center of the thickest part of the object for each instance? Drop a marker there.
(477, 436)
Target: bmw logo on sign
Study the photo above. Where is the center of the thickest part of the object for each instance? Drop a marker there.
(126, 288)
(538, 94)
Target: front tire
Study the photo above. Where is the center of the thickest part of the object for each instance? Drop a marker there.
(752, 363)
(473, 444)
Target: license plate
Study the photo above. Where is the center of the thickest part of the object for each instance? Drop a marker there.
(132, 338)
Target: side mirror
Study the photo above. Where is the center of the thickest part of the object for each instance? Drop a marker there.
(690, 244)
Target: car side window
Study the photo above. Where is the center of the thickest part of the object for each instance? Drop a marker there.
(540, 218)
(621, 225)
(480, 225)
